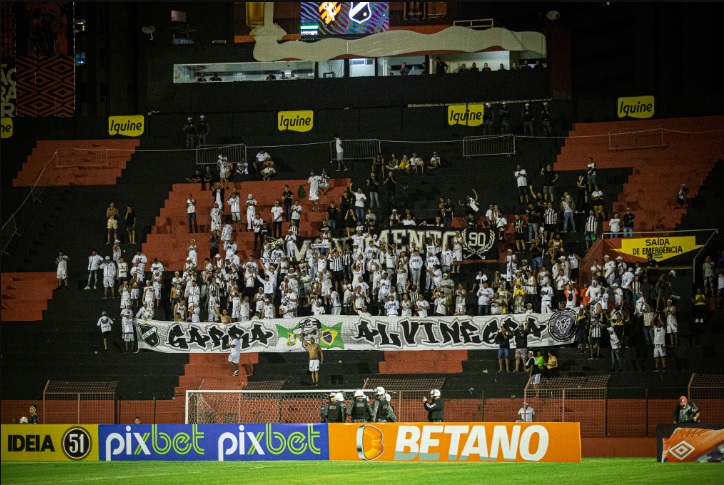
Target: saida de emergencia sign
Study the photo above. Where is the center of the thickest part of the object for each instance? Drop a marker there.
(660, 248)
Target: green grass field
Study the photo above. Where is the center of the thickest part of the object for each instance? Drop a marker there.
(592, 470)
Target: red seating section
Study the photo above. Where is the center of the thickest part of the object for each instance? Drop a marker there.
(691, 148)
(26, 295)
(424, 362)
(115, 158)
(169, 239)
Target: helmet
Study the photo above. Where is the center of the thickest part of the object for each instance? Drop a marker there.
(339, 397)
(24, 420)
(333, 394)
(388, 397)
(545, 103)
(189, 118)
(435, 393)
(380, 391)
(527, 104)
(487, 105)
(359, 393)
(203, 117)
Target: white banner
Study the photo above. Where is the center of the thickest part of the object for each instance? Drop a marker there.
(341, 332)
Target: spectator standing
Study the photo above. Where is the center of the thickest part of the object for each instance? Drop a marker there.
(628, 223)
(441, 67)
(112, 216)
(234, 355)
(521, 178)
(340, 153)
(533, 371)
(94, 261)
(191, 214)
(61, 263)
(686, 412)
(503, 340)
(277, 213)
(614, 225)
(105, 323)
(359, 205)
(287, 197)
(526, 413)
(130, 219)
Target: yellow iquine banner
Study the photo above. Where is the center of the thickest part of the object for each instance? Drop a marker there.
(49, 442)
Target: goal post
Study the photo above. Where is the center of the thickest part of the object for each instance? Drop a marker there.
(259, 406)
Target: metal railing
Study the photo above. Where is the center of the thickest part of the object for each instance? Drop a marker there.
(636, 140)
(363, 149)
(484, 146)
(209, 154)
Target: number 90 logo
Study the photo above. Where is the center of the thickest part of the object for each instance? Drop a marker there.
(76, 443)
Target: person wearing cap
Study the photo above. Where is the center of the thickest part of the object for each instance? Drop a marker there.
(526, 413)
(686, 412)
(435, 406)
(189, 130)
(546, 119)
(504, 115)
(105, 323)
(334, 410)
(109, 276)
(527, 116)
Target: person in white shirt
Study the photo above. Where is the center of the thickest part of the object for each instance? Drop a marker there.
(277, 213)
(129, 333)
(250, 212)
(526, 413)
(234, 355)
(235, 205)
(521, 179)
(105, 323)
(359, 205)
(191, 214)
(340, 153)
(216, 220)
(546, 298)
(261, 157)
(109, 277)
(313, 196)
(421, 306)
(416, 163)
(94, 261)
(484, 294)
(614, 225)
(391, 306)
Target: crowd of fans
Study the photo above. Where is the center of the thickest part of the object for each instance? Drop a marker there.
(350, 270)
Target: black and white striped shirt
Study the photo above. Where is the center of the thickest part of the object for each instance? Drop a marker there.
(550, 216)
(335, 263)
(591, 224)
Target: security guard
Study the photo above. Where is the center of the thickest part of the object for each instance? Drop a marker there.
(382, 409)
(359, 409)
(435, 407)
(527, 116)
(190, 131)
(488, 119)
(334, 411)
(202, 129)
(504, 115)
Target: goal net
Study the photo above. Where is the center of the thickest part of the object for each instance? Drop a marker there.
(259, 406)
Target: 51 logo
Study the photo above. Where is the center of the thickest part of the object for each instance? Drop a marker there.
(76, 443)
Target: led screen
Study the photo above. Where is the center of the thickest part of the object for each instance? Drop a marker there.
(328, 19)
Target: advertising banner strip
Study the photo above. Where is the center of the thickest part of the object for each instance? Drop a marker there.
(49, 442)
(214, 442)
(519, 442)
(340, 332)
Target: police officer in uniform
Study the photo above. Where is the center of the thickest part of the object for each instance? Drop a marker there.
(334, 411)
(527, 120)
(359, 409)
(202, 130)
(504, 115)
(382, 409)
(546, 118)
(435, 407)
(190, 131)
(488, 119)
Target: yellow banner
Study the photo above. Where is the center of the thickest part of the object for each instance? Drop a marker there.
(465, 114)
(636, 107)
(660, 247)
(532, 442)
(49, 442)
(300, 121)
(7, 128)
(131, 125)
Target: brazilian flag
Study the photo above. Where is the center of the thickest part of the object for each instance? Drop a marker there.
(331, 337)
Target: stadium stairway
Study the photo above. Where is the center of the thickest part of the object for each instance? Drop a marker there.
(689, 149)
(213, 371)
(710, 195)
(25, 295)
(422, 361)
(170, 235)
(76, 162)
